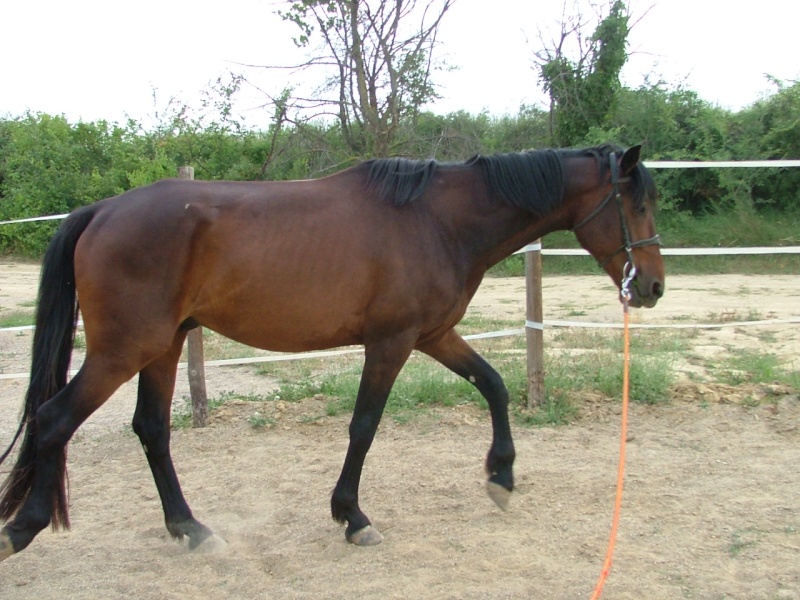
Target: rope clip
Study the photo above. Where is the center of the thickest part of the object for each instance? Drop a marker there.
(628, 275)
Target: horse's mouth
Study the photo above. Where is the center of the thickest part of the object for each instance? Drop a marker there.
(647, 303)
(638, 301)
(645, 294)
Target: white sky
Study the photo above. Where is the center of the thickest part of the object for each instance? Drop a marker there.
(101, 60)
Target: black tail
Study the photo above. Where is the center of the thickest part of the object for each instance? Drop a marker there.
(56, 317)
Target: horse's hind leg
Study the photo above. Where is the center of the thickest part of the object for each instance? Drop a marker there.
(56, 422)
(151, 422)
(455, 354)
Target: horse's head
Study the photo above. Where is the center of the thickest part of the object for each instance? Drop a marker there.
(614, 221)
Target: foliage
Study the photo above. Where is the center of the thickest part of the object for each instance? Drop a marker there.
(770, 129)
(16, 318)
(583, 89)
(49, 166)
(747, 366)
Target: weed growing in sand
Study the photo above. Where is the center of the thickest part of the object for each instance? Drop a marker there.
(591, 362)
(17, 318)
(742, 539)
(79, 342)
(650, 376)
(557, 409)
(748, 366)
(259, 421)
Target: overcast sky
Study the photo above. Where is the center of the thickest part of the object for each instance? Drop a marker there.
(102, 60)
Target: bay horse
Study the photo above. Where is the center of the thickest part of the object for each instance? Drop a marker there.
(386, 254)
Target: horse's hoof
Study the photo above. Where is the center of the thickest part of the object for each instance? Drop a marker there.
(498, 494)
(6, 547)
(367, 536)
(213, 544)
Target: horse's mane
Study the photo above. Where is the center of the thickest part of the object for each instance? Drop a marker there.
(400, 180)
(532, 180)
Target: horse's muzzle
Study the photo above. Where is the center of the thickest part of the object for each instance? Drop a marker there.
(645, 292)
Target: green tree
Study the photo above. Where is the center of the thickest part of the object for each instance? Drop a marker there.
(583, 90)
(49, 166)
(770, 129)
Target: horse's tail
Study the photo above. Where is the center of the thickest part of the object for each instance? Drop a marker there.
(56, 318)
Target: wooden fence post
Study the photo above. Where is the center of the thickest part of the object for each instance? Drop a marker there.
(197, 370)
(534, 323)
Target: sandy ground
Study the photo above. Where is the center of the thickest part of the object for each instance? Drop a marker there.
(710, 507)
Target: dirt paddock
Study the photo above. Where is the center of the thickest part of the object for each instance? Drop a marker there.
(710, 508)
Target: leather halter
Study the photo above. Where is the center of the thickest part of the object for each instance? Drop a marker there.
(627, 246)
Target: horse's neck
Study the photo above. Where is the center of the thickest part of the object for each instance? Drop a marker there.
(515, 233)
(509, 228)
(490, 229)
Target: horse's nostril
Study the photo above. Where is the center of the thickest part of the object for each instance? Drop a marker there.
(657, 289)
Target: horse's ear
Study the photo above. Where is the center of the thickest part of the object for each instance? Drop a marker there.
(629, 160)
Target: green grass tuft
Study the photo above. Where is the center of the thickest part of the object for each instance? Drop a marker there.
(748, 366)
(17, 318)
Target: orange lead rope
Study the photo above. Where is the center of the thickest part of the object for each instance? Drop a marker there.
(630, 273)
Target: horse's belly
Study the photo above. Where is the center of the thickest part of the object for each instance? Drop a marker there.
(289, 325)
(282, 336)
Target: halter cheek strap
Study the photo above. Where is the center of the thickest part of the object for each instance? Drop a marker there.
(627, 246)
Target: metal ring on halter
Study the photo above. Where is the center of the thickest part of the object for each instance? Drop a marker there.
(628, 275)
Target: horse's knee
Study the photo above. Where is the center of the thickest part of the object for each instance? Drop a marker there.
(495, 388)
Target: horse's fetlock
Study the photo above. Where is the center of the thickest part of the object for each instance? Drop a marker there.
(501, 455)
(338, 510)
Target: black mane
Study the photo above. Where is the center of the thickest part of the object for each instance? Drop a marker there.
(400, 180)
(532, 180)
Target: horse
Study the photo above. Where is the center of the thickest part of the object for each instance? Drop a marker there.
(386, 254)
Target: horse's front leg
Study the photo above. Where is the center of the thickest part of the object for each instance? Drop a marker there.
(383, 361)
(455, 354)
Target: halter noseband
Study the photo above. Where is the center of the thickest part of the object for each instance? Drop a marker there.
(627, 245)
